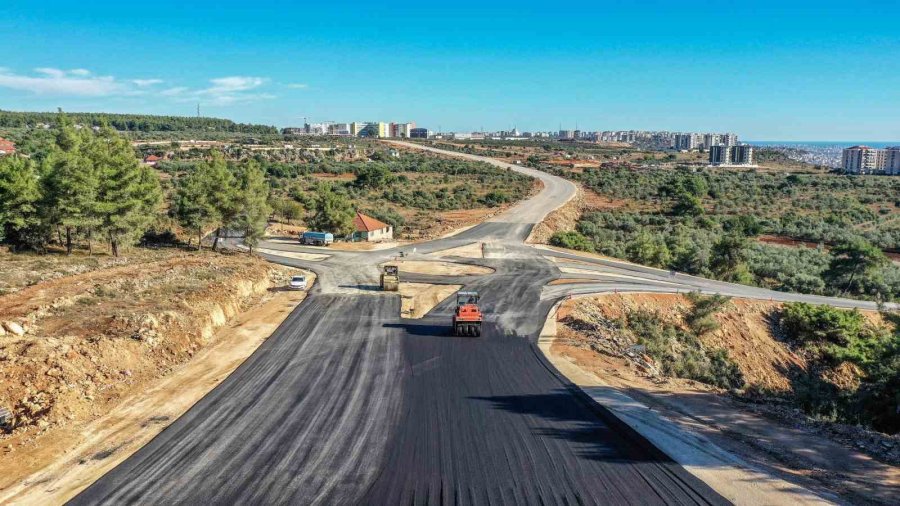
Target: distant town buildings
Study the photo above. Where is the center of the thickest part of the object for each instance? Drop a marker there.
(6, 147)
(866, 160)
(377, 129)
(682, 141)
(723, 155)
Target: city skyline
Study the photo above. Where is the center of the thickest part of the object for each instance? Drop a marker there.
(497, 67)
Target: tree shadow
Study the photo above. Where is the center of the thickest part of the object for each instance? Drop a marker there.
(594, 432)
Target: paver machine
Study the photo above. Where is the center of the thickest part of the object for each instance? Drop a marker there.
(467, 318)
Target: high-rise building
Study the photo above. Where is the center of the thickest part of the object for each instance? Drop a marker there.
(356, 128)
(419, 133)
(402, 129)
(686, 142)
(867, 160)
(710, 140)
(742, 155)
(341, 129)
(729, 139)
(731, 156)
(566, 134)
(892, 161)
(719, 155)
(863, 160)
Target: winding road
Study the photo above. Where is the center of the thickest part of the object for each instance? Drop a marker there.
(349, 403)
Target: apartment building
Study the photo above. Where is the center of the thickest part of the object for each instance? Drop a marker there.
(722, 155)
(685, 142)
(892, 161)
(868, 160)
(402, 130)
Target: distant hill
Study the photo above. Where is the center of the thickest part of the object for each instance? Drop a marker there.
(136, 122)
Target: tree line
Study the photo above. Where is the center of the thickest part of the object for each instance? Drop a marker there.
(134, 122)
(85, 186)
(79, 186)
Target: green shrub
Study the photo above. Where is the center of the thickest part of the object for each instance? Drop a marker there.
(680, 353)
(813, 325)
(571, 240)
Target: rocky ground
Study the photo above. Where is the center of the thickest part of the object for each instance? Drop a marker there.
(80, 333)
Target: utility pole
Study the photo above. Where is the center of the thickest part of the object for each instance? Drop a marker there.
(198, 109)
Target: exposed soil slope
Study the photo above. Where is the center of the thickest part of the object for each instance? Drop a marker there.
(830, 457)
(100, 333)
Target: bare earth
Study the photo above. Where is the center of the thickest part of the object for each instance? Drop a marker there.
(417, 299)
(441, 268)
(789, 451)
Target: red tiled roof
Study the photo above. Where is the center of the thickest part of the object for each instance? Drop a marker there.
(152, 158)
(364, 223)
(6, 145)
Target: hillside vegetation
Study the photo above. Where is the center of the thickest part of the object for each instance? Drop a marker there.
(708, 222)
(834, 365)
(133, 122)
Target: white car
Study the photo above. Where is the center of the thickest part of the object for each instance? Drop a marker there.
(297, 283)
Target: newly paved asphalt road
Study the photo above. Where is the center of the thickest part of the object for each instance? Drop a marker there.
(348, 403)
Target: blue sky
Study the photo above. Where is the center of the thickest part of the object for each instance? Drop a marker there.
(766, 70)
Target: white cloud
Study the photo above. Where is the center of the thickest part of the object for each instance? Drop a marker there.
(143, 83)
(234, 84)
(298, 86)
(229, 90)
(60, 82)
(82, 82)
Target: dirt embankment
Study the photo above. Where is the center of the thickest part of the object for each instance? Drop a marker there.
(835, 458)
(107, 330)
(745, 331)
(566, 217)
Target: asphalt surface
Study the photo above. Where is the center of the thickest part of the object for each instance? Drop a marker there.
(347, 403)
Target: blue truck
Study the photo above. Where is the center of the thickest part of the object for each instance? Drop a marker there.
(316, 238)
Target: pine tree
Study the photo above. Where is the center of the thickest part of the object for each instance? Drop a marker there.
(331, 212)
(128, 195)
(252, 196)
(70, 185)
(222, 193)
(19, 196)
(193, 207)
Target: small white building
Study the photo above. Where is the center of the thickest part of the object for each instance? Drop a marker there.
(371, 230)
